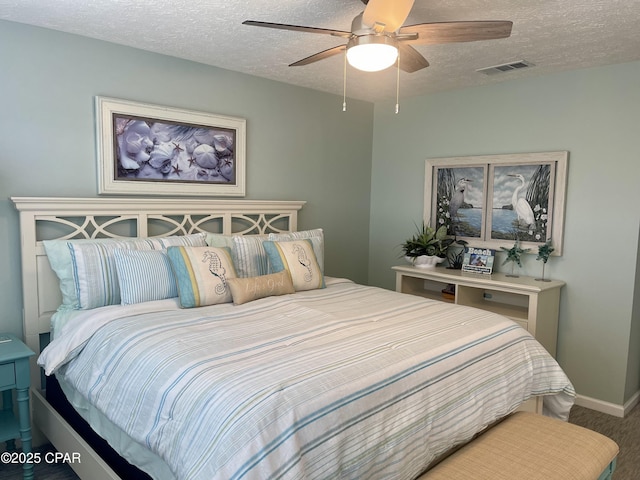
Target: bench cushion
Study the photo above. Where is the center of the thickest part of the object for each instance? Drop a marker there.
(529, 446)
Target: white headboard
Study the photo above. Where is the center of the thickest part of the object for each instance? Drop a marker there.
(73, 218)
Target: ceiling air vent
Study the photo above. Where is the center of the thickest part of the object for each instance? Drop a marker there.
(505, 67)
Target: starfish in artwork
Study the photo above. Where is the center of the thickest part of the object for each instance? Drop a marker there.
(176, 169)
(177, 147)
(191, 161)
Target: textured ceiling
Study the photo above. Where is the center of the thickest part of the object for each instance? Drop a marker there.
(554, 35)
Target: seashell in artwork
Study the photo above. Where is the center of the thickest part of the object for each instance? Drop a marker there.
(223, 144)
(134, 144)
(205, 156)
(161, 158)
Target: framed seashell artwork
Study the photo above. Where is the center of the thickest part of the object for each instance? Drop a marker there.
(154, 150)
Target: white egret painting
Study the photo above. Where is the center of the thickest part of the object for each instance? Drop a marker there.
(460, 200)
(520, 206)
(492, 200)
(148, 149)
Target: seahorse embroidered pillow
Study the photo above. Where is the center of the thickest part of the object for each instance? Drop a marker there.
(316, 236)
(298, 258)
(202, 275)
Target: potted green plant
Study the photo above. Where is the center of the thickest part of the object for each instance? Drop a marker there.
(427, 247)
(455, 253)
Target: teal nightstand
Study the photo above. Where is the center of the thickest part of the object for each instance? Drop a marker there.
(14, 374)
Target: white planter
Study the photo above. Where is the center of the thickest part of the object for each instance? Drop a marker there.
(425, 261)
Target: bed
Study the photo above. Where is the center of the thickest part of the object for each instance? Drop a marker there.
(319, 378)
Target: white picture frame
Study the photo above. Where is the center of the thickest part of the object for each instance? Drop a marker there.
(145, 149)
(513, 196)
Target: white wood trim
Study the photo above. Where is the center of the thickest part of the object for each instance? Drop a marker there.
(84, 206)
(607, 407)
(632, 402)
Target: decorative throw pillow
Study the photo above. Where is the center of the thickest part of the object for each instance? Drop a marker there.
(249, 256)
(219, 240)
(94, 271)
(144, 276)
(191, 240)
(298, 258)
(60, 259)
(202, 274)
(245, 290)
(317, 240)
(247, 252)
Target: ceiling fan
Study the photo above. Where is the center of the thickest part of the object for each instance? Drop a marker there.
(378, 38)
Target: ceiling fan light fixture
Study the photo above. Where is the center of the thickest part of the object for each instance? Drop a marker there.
(372, 53)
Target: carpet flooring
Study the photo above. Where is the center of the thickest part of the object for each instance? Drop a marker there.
(624, 431)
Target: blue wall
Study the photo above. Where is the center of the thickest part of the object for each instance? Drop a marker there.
(595, 115)
(300, 145)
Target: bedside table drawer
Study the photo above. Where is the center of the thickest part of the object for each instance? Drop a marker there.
(7, 375)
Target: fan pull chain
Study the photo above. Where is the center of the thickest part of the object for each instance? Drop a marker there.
(344, 84)
(398, 85)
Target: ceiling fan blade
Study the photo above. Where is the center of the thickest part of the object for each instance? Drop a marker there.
(319, 56)
(410, 59)
(452, 32)
(390, 13)
(298, 28)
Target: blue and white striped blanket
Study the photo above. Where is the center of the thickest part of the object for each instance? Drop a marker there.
(348, 382)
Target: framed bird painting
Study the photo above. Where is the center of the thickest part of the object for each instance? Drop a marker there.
(493, 200)
(460, 199)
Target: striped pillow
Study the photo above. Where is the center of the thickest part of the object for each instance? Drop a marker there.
(201, 274)
(192, 240)
(298, 258)
(144, 276)
(59, 254)
(94, 270)
(248, 255)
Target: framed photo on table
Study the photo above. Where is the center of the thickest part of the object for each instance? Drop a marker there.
(153, 150)
(478, 260)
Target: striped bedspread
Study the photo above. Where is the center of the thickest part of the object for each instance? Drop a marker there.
(348, 382)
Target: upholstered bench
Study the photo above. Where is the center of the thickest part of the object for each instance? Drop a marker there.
(528, 446)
